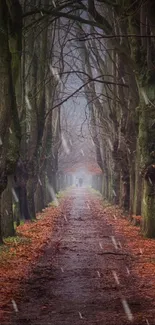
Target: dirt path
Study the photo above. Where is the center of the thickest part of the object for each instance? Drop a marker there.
(84, 276)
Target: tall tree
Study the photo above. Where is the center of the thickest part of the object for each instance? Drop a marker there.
(10, 56)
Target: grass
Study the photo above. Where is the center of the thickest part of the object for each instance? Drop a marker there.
(16, 240)
(21, 223)
(107, 204)
(92, 190)
(60, 194)
(10, 243)
(53, 204)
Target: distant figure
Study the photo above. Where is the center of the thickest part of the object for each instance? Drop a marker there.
(80, 181)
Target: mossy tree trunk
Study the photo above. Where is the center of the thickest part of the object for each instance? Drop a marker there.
(116, 174)
(20, 181)
(132, 185)
(30, 197)
(105, 186)
(10, 56)
(142, 53)
(6, 211)
(5, 102)
(32, 164)
(147, 162)
(124, 191)
(1, 238)
(40, 194)
(22, 205)
(36, 85)
(31, 187)
(116, 185)
(138, 184)
(100, 177)
(111, 192)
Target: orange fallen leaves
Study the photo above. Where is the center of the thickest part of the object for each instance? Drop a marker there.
(18, 258)
(142, 249)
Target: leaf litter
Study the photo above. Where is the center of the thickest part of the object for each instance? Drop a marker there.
(17, 259)
(19, 255)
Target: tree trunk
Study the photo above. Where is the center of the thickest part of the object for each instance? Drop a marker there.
(16, 213)
(53, 181)
(111, 193)
(39, 199)
(5, 95)
(132, 187)
(147, 150)
(138, 184)
(116, 184)
(10, 54)
(40, 195)
(30, 196)
(105, 185)
(100, 183)
(7, 221)
(23, 203)
(124, 191)
(148, 209)
(1, 239)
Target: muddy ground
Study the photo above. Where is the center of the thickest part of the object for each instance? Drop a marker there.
(84, 275)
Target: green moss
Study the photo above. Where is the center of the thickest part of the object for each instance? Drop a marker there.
(53, 204)
(16, 240)
(21, 223)
(139, 54)
(60, 194)
(92, 190)
(148, 210)
(147, 127)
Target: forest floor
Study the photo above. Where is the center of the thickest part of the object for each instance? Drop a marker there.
(91, 267)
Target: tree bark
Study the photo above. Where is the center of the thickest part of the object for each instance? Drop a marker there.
(40, 195)
(6, 210)
(138, 184)
(132, 186)
(147, 163)
(30, 196)
(10, 54)
(1, 237)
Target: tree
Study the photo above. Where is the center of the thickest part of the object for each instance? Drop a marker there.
(10, 54)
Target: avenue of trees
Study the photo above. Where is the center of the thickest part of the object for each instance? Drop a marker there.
(108, 46)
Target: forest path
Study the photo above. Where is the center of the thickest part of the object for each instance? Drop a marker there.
(83, 276)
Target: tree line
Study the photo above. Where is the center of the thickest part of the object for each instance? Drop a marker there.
(113, 57)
